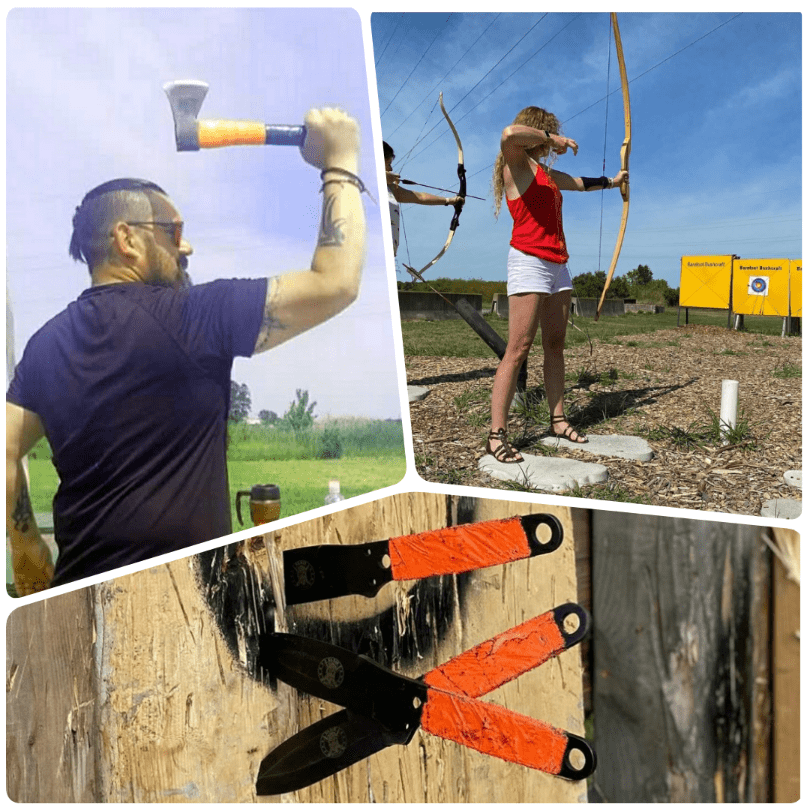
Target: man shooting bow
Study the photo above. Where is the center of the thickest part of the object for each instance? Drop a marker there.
(397, 194)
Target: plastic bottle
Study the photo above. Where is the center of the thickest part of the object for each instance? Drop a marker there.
(333, 496)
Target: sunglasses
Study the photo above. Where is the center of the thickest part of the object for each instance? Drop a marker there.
(173, 229)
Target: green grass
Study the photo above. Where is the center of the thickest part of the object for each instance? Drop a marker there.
(607, 492)
(373, 458)
(788, 371)
(304, 484)
(710, 433)
(454, 338)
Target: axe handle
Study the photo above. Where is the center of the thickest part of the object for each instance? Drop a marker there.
(216, 133)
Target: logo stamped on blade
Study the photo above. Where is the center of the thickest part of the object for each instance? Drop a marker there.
(331, 672)
(304, 574)
(333, 743)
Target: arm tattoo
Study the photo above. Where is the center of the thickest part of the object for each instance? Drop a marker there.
(330, 234)
(22, 514)
(269, 320)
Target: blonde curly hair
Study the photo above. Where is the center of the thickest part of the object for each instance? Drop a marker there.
(537, 118)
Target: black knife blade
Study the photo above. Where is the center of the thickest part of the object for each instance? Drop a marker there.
(323, 749)
(342, 677)
(320, 572)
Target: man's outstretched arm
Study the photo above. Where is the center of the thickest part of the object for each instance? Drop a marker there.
(31, 559)
(299, 300)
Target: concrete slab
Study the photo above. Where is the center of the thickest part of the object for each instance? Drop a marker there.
(545, 473)
(794, 478)
(631, 447)
(782, 508)
(416, 392)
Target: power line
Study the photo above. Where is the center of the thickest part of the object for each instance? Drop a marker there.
(433, 89)
(415, 66)
(484, 98)
(394, 30)
(630, 81)
(476, 85)
(658, 64)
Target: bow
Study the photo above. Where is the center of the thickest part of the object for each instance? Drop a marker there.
(625, 160)
(462, 192)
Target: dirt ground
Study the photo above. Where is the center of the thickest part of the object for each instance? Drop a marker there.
(667, 379)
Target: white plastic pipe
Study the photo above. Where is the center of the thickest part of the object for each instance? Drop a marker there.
(729, 396)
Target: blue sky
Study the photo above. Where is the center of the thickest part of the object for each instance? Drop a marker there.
(85, 104)
(716, 130)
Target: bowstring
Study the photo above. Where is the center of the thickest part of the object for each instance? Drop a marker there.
(602, 193)
(604, 152)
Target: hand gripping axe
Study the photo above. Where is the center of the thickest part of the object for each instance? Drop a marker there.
(186, 98)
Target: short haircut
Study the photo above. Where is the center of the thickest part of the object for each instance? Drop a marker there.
(126, 198)
(387, 150)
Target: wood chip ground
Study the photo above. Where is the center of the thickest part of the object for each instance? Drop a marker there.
(668, 379)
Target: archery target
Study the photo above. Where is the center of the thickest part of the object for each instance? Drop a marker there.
(758, 285)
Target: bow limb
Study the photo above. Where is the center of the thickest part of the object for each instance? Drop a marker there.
(462, 192)
(624, 188)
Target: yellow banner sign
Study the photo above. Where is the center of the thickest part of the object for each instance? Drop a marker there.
(796, 288)
(706, 281)
(760, 287)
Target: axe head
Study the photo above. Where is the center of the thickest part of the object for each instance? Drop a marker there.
(186, 98)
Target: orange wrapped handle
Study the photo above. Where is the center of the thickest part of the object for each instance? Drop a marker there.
(230, 133)
(458, 549)
(496, 731)
(501, 659)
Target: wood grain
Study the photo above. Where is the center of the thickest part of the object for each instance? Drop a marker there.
(680, 652)
(51, 701)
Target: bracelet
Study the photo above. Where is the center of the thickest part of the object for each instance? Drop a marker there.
(348, 177)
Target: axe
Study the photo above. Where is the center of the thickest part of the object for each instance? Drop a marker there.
(186, 98)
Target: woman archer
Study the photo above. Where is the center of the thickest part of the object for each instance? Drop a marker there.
(538, 281)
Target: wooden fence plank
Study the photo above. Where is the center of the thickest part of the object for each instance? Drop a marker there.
(679, 697)
(51, 726)
(786, 675)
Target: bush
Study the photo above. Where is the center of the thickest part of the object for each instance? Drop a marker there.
(330, 444)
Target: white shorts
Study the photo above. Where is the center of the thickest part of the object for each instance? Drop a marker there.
(528, 274)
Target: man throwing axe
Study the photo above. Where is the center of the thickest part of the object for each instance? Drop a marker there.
(131, 382)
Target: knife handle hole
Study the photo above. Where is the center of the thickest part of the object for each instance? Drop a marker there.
(386, 562)
(571, 623)
(576, 759)
(417, 703)
(542, 533)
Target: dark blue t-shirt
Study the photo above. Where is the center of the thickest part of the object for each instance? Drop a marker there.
(132, 384)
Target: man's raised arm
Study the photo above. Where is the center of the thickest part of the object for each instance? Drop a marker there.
(31, 559)
(299, 300)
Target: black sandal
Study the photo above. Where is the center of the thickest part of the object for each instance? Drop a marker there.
(568, 432)
(506, 454)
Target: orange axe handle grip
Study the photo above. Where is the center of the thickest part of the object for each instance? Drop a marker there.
(216, 133)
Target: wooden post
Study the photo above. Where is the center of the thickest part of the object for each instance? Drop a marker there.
(681, 660)
(786, 674)
(51, 730)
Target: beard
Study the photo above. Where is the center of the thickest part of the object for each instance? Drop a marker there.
(165, 271)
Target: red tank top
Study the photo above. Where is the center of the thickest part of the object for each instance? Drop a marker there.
(537, 214)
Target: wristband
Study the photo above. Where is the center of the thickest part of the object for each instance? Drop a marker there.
(596, 182)
(348, 177)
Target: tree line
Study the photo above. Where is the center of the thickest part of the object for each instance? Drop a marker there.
(638, 283)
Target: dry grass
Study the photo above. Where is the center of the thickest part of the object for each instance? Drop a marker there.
(663, 384)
